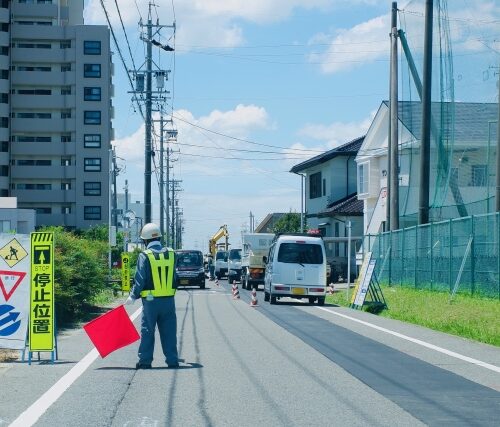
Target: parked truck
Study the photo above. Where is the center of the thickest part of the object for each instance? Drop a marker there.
(255, 246)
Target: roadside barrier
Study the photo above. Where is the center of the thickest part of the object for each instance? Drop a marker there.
(236, 292)
(254, 302)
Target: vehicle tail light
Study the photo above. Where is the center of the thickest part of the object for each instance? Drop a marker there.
(316, 289)
(282, 288)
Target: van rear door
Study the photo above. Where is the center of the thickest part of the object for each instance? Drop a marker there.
(301, 263)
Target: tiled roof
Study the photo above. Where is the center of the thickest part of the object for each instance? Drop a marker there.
(349, 206)
(471, 118)
(348, 149)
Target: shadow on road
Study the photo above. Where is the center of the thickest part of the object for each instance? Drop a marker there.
(132, 368)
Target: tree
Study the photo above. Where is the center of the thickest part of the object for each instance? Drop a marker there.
(288, 223)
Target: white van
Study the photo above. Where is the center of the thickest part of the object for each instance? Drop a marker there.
(296, 267)
(220, 263)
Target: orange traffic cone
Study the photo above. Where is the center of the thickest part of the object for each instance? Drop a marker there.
(330, 289)
(236, 292)
(254, 302)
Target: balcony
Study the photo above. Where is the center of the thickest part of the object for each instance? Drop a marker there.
(54, 101)
(54, 148)
(49, 78)
(43, 125)
(43, 172)
(45, 196)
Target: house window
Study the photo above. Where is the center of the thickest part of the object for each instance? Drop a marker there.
(91, 188)
(92, 94)
(92, 117)
(479, 175)
(92, 140)
(363, 174)
(91, 47)
(92, 70)
(92, 164)
(315, 185)
(92, 212)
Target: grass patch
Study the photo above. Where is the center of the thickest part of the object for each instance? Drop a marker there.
(468, 317)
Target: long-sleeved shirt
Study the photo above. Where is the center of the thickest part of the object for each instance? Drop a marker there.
(143, 279)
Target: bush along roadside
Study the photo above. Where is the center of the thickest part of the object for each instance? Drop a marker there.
(471, 317)
(80, 271)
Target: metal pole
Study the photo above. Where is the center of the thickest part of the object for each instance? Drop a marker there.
(172, 220)
(148, 146)
(167, 187)
(498, 148)
(393, 108)
(348, 225)
(301, 203)
(115, 201)
(425, 143)
(109, 211)
(126, 195)
(162, 206)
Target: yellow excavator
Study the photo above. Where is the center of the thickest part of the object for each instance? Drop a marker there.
(212, 243)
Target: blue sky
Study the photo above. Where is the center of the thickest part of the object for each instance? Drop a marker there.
(295, 75)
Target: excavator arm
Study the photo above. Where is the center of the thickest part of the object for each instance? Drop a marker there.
(212, 243)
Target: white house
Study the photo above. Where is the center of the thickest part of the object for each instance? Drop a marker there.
(462, 166)
(330, 195)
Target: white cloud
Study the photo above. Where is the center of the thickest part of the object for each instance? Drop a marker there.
(336, 133)
(350, 47)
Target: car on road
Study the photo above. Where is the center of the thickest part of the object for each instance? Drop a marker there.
(189, 268)
(296, 267)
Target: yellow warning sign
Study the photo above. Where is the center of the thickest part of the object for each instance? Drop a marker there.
(41, 328)
(125, 272)
(13, 252)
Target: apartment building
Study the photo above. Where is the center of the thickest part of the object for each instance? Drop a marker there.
(55, 112)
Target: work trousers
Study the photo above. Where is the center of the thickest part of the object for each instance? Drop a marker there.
(160, 311)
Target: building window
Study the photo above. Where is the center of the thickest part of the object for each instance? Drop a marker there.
(4, 50)
(92, 70)
(65, 161)
(4, 74)
(4, 146)
(34, 186)
(92, 140)
(92, 117)
(315, 185)
(91, 188)
(34, 115)
(65, 67)
(32, 162)
(65, 44)
(32, 68)
(4, 122)
(5, 4)
(23, 138)
(479, 175)
(92, 93)
(91, 47)
(66, 137)
(66, 114)
(34, 45)
(66, 90)
(43, 210)
(65, 186)
(4, 27)
(92, 165)
(363, 175)
(34, 92)
(4, 170)
(65, 209)
(4, 98)
(92, 212)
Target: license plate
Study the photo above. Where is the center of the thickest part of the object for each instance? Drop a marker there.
(298, 291)
(184, 282)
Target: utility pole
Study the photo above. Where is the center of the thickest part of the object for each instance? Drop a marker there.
(175, 188)
(148, 148)
(393, 178)
(115, 202)
(498, 148)
(126, 195)
(162, 183)
(425, 142)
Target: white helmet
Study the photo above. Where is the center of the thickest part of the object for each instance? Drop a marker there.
(150, 231)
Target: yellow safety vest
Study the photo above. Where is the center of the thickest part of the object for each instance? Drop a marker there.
(162, 271)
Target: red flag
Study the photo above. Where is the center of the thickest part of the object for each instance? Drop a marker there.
(111, 331)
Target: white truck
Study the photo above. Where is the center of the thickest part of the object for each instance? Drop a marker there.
(255, 246)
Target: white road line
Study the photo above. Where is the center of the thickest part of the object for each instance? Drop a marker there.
(37, 409)
(419, 342)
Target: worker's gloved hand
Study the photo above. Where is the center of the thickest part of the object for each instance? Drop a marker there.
(130, 300)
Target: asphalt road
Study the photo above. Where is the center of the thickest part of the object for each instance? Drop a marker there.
(293, 364)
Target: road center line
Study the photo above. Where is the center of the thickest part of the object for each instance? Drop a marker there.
(419, 342)
(31, 415)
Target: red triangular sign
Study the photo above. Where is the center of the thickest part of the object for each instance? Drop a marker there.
(9, 281)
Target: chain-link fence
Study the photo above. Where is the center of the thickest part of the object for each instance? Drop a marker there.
(456, 255)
